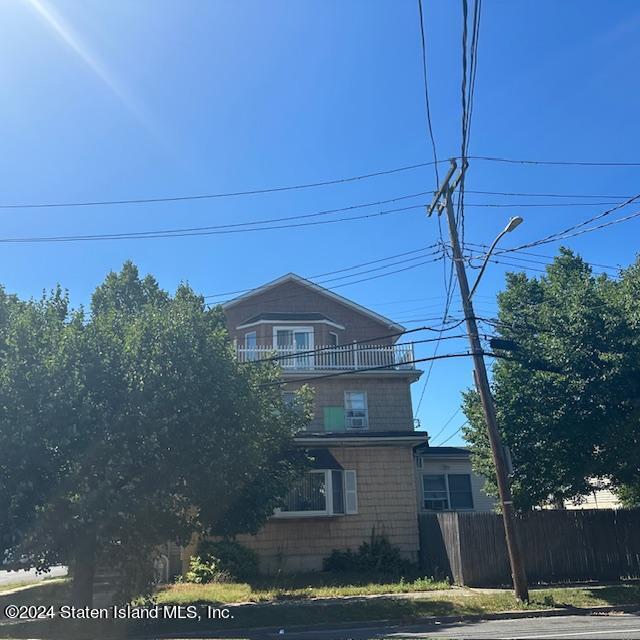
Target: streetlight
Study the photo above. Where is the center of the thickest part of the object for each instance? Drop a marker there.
(511, 225)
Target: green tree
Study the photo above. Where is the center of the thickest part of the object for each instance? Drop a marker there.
(629, 495)
(567, 396)
(131, 425)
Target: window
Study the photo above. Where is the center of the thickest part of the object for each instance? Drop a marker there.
(447, 492)
(355, 410)
(460, 495)
(322, 493)
(308, 495)
(294, 341)
(435, 493)
(250, 345)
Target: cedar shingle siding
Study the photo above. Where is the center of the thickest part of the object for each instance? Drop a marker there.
(386, 487)
(386, 506)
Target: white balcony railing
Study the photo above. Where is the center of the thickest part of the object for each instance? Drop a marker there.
(348, 357)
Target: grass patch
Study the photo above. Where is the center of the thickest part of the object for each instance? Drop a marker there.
(304, 586)
(54, 591)
(286, 613)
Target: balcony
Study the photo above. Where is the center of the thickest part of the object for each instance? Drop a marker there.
(348, 357)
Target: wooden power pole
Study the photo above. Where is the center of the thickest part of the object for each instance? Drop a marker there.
(482, 382)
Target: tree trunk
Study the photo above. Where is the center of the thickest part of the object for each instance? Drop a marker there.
(558, 503)
(84, 570)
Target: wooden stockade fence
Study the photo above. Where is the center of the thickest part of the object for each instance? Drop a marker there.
(558, 546)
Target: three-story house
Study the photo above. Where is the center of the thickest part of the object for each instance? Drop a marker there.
(361, 437)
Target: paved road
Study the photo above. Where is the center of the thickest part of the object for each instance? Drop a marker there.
(30, 575)
(606, 627)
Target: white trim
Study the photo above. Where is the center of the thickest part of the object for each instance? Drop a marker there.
(411, 440)
(294, 328)
(292, 277)
(328, 499)
(251, 351)
(446, 475)
(258, 322)
(350, 495)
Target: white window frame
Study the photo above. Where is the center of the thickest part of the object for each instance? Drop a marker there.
(251, 353)
(347, 426)
(292, 362)
(446, 484)
(350, 497)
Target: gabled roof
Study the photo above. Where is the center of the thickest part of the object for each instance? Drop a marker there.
(292, 277)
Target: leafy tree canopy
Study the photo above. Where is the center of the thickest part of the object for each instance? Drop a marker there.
(568, 396)
(130, 425)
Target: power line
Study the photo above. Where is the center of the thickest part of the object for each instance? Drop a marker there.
(513, 256)
(446, 424)
(450, 288)
(250, 192)
(515, 205)
(379, 368)
(545, 195)
(198, 231)
(545, 255)
(296, 295)
(210, 196)
(426, 92)
(346, 348)
(467, 96)
(328, 273)
(463, 136)
(577, 230)
(556, 162)
(365, 264)
(386, 266)
(455, 433)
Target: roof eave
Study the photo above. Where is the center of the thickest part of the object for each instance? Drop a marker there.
(322, 290)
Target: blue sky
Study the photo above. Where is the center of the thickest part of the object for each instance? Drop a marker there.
(116, 100)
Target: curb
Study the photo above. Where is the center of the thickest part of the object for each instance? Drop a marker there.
(259, 632)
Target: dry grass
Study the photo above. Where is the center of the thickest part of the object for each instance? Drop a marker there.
(301, 587)
(268, 610)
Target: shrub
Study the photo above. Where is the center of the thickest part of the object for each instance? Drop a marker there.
(376, 556)
(203, 570)
(222, 561)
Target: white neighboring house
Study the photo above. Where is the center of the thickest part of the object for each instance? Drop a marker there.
(446, 482)
(601, 497)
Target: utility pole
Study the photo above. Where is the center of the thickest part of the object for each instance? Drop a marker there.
(482, 382)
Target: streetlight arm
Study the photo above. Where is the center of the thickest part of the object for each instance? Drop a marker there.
(486, 261)
(511, 225)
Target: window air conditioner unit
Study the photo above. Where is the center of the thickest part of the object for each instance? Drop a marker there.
(357, 423)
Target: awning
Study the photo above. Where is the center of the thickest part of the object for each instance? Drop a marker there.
(323, 459)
